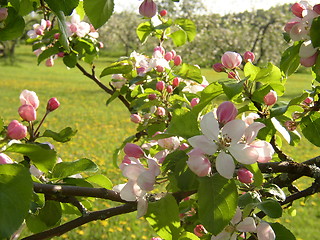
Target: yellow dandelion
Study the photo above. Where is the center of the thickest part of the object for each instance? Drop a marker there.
(144, 237)
(133, 236)
(104, 223)
(302, 204)
(80, 232)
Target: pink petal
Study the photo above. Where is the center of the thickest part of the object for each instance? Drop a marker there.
(237, 217)
(234, 130)
(133, 171)
(225, 165)
(205, 144)
(244, 153)
(146, 180)
(128, 192)
(200, 165)
(142, 207)
(247, 225)
(265, 232)
(252, 130)
(264, 149)
(224, 235)
(210, 126)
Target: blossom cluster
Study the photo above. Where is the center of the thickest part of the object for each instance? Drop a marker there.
(299, 30)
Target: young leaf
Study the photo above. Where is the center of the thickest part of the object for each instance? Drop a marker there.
(41, 155)
(144, 30)
(188, 27)
(15, 197)
(271, 207)
(179, 38)
(282, 233)
(70, 60)
(257, 175)
(218, 199)
(314, 32)
(191, 72)
(67, 6)
(100, 180)
(290, 60)
(163, 216)
(48, 53)
(98, 11)
(66, 169)
(13, 27)
(310, 126)
(64, 135)
(121, 67)
(188, 236)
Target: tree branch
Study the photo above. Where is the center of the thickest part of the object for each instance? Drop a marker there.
(90, 216)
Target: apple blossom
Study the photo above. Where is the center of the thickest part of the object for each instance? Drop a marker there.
(194, 102)
(5, 159)
(265, 232)
(245, 176)
(160, 86)
(218, 67)
(38, 29)
(133, 150)
(310, 61)
(50, 62)
(184, 146)
(175, 82)
(30, 98)
(75, 26)
(52, 104)
(271, 98)
(199, 163)
(248, 56)
(152, 96)
(226, 112)
(160, 111)
(231, 60)
(168, 56)
(177, 60)
(156, 238)
(148, 8)
(307, 50)
(27, 112)
(3, 14)
(160, 49)
(16, 130)
(169, 89)
(171, 143)
(250, 118)
(135, 118)
(199, 230)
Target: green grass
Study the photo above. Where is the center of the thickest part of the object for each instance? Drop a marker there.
(101, 130)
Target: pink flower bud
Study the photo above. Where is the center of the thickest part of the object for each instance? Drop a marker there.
(49, 62)
(169, 89)
(101, 45)
(163, 12)
(245, 176)
(135, 118)
(60, 54)
(248, 56)
(297, 9)
(16, 130)
(177, 60)
(27, 112)
(56, 35)
(226, 112)
(194, 102)
(152, 96)
(291, 125)
(30, 98)
(173, 53)
(148, 8)
(316, 8)
(39, 31)
(160, 86)
(53, 104)
(310, 61)
(289, 26)
(48, 23)
(183, 146)
(5, 159)
(160, 49)
(160, 111)
(231, 60)
(160, 68)
(3, 14)
(308, 100)
(133, 150)
(199, 230)
(232, 75)
(168, 56)
(175, 82)
(156, 238)
(271, 98)
(218, 67)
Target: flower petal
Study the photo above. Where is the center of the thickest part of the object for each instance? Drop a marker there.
(205, 144)
(210, 126)
(128, 192)
(265, 232)
(247, 225)
(142, 206)
(252, 130)
(244, 153)
(237, 217)
(264, 149)
(234, 130)
(200, 165)
(225, 165)
(224, 235)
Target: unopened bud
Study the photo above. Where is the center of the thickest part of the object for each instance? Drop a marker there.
(199, 230)
(194, 102)
(163, 12)
(183, 146)
(231, 60)
(232, 75)
(245, 176)
(133, 150)
(16, 130)
(309, 61)
(49, 62)
(291, 125)
(218, 67)
(160, 86)
(3, 14)
(5, 159)
(248, 56)
(160, 68)
(52, 104)
(152, 96)
(175, 82)
(27, 112)
(56, 35)
(226, 112)
(177, 60)
(271, 98)
(308, 100)
(168, 56)
(160, 111)
(60, 54)
(135, 118)
(148, 8)
(316, 8)
(48, 24)
(169, 89)
(297, 9)
(160, 49)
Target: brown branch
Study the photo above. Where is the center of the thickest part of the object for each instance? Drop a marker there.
(102, 86)
(89, 217)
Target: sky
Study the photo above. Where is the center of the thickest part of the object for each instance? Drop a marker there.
(217, 6)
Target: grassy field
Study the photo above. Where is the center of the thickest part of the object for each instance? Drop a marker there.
(101, 130)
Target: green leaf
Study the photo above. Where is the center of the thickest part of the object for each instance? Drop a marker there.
(269, 74)
(179, 38)
(41, 155)
(163, 216)
(67, 6)
(316, 68)
(80, 10)
(26, 6)
(290, 60)
(64, 135)
(191, 72)
(188, 27)
(314, 32)
(271, 207)
(98, 11)
(48, 216)
(66, 169)
(100, 180)
(70, 60)
(118, 150)
(114, 96)
(232, 90)
(310, 126)
(63, 39)
(188, 236)
(281, 232)
(257, 175)
(217, 201)
(48, 53)
(144, 30)
(251, 198)
(13, 26)
(15, 197)
(275, 192)
(250, 70)
(121, 67)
